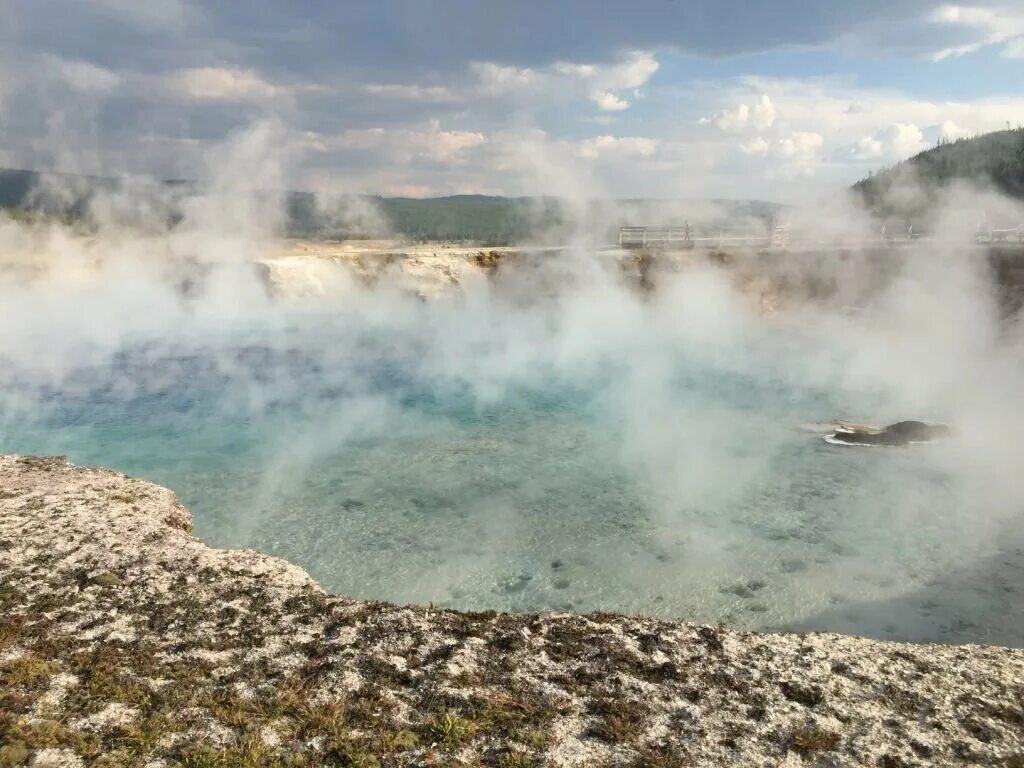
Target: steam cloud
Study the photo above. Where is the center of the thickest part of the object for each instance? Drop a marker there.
(686, 396)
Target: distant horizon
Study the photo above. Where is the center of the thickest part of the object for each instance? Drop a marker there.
(539, 196)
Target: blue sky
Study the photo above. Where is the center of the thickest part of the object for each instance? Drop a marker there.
(783, 100)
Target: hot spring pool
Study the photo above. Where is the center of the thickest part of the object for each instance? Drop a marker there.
(413, 460)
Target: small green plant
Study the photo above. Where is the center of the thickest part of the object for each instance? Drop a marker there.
(398, 741)
(327, 718)
(13, 754)
(516, 760)
(106, 579)
(40, 734)
(200, 756)
(450, 730)
(143, 736)
(28, 670)
(536, 738)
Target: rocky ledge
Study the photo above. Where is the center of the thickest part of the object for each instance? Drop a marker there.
(125, 641)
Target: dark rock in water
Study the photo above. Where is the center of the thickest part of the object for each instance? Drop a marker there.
(740, 590)
(900, 433)
(743, 589)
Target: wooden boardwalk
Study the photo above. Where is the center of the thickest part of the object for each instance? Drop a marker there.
(781, 237)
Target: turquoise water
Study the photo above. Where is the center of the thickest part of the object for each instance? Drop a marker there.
(408, 460)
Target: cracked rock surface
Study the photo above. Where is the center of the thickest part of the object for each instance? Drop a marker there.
(126, 641)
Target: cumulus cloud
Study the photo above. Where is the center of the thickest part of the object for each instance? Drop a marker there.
(757, 116)
(894, 142)
(628, 146)
(401, 145)
(802, 147)
(904, 138)
(868, 148)
(756, 146)
(498, 79)
(950, 131)
(601, 84)
(609, 102)
(221, 84)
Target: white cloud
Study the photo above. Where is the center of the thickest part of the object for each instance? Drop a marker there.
(624, 146)
(904, 138)
(757, 146)
(82, 75)
(401, 145)
(445, 145)
(409, 190)
(497, 79)
(894, 142)
(607, 101)
(431, 94)
(222, 84)
(988, 26)
(902, 123)
(868, 148)
(951, 131)
(801, 146)
(1014, 48)
(601, 84)
(633, 72)
(744, 117)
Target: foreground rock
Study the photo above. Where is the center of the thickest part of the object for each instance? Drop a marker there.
(126, 641)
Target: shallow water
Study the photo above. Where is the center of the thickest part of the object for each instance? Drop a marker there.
(674, 484)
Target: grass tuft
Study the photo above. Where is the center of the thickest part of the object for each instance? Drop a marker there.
(26, 671)
(450, 730)
(13, 754)
(807, 740)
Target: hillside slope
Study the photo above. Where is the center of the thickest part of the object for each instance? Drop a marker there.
(489, 220)
(993, 160)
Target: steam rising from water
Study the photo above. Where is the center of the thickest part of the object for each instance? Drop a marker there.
(547, 439)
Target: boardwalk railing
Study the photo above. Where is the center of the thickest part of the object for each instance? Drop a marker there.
(1004, 235)
(689, 236)
(780, 236)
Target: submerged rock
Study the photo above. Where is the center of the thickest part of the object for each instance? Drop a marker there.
(219, 657)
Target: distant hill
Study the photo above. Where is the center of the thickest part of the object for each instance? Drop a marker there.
(481, 218)
(995, 160)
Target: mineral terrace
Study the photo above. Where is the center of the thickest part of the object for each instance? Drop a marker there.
(126, 641)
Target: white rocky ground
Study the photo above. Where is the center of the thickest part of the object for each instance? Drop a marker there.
(126, 641)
